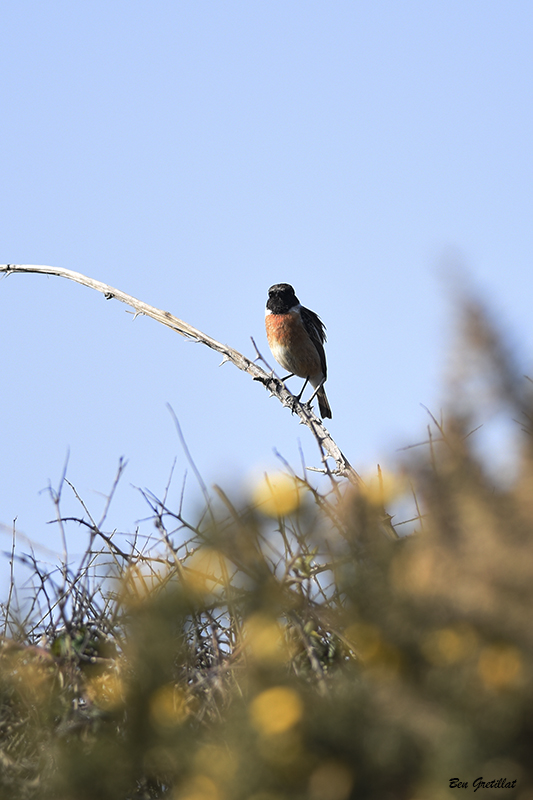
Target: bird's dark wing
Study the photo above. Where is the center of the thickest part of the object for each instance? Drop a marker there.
(317, 331)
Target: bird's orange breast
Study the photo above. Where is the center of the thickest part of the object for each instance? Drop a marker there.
(291, 345)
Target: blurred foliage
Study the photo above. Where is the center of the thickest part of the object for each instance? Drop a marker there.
(285, 645)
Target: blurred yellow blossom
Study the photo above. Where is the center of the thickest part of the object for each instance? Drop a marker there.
(278, 494)
(500, 666)
(264, 639)
(276, 710)
(168, 706)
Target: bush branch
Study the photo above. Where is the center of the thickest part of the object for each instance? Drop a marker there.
(328, 447)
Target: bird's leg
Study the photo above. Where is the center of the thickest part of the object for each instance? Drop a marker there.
(303, 387)
(290, 375)
(318, 388)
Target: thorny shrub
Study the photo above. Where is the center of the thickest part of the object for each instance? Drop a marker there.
(285, 645)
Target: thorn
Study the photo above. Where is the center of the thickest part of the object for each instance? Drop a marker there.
(224, 360)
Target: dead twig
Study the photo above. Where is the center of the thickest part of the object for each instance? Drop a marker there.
(327, 446)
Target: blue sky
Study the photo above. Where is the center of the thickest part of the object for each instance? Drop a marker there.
(193, 154)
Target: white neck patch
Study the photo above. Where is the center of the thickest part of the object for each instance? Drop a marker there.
(297, 307)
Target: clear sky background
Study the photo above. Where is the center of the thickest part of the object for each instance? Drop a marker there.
(192, 154)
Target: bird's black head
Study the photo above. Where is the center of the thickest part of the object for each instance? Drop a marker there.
(281, 298)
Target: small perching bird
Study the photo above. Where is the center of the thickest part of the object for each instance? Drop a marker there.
(296, 338)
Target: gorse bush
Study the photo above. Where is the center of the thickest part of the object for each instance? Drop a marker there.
(286, 645)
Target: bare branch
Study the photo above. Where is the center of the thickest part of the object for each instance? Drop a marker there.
(327, 446)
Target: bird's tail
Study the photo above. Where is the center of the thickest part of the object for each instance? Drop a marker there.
(323, 404)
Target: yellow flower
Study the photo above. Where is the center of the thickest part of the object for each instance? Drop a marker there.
(277, 495)
(276, 710)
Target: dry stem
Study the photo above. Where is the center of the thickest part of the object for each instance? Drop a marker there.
(328, 447)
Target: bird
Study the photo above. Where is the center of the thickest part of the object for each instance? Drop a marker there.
(296, 337)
